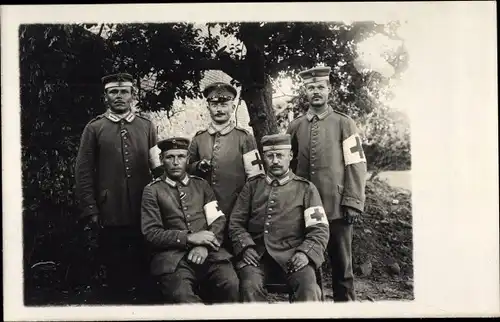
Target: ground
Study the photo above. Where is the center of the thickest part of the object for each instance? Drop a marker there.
(382, 253)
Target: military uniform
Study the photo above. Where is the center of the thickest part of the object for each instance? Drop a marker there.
(170, 211)
(233, 154)
(279, 217)
(327, 150)
(112, 169)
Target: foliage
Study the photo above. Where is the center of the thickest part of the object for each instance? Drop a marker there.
(59, 95)
(386, 142)
(176, 55)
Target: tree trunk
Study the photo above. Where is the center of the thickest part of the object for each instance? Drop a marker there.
(258, 100)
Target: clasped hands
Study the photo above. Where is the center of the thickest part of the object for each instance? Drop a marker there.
(202, 240)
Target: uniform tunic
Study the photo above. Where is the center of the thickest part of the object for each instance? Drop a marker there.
(280, 217)
(327, 150)
(112, 167)
(234, 157)
(170, 211)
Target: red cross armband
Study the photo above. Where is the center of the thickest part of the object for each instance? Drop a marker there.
(353, 151)
(212, 212)
(253, 163)
(154, 157)
(315, 215)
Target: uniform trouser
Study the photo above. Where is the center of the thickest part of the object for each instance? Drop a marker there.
(340, 254)
(218, 279)
(123, 253)
(252, 279)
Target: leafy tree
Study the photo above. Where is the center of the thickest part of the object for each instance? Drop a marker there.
(177, 54)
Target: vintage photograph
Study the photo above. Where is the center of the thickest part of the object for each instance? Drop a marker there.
(221, 162)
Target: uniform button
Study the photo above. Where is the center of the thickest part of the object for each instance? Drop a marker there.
(187, 216)
(313, 172)
(243, 245)
(90, 206)
(312, 165)
(189, 224)
(269, 216)
(185, 208)
(266, 232)
(270, 209)
(126, 152)
(128, 175)
(272, 201)
(357, 201)
(127, 168)
(178, 240)
(124, 137)
(267, 224)
(126, 160)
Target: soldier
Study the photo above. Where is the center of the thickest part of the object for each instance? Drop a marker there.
(112, 168)
(327, 150)
(184, 225)
(278, 225)
(225, 155)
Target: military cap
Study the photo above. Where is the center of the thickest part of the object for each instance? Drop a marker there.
(219, 92)
(276, 142)
(315, 74)
(173, 143)
(115, 80)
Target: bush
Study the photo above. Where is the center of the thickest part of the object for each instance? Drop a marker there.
(60, 71)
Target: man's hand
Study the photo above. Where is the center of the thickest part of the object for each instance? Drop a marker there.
(350, 215)
(204, 238)
(297, 262)
(251, 257)
(198, 255)
(204, 165)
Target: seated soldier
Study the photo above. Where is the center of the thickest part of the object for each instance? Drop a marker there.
(182, 222)
(278, 222)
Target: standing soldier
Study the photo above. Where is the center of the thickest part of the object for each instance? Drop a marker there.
(116, 156)
(278, 225)
(225, 155)
(327, 150)
(184, 225)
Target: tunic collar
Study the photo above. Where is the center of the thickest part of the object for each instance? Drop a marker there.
(173, 183)
(129, 117)
(311, 114)
(283, 180)
(229, 127)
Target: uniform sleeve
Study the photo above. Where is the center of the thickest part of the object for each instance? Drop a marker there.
(85, 172)
(152, 225)
(238, 221)
(154, 153)
(216, 219)
(317, 227)
(295, 148)
(355, 167)
(252, 159)
(194, 157)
